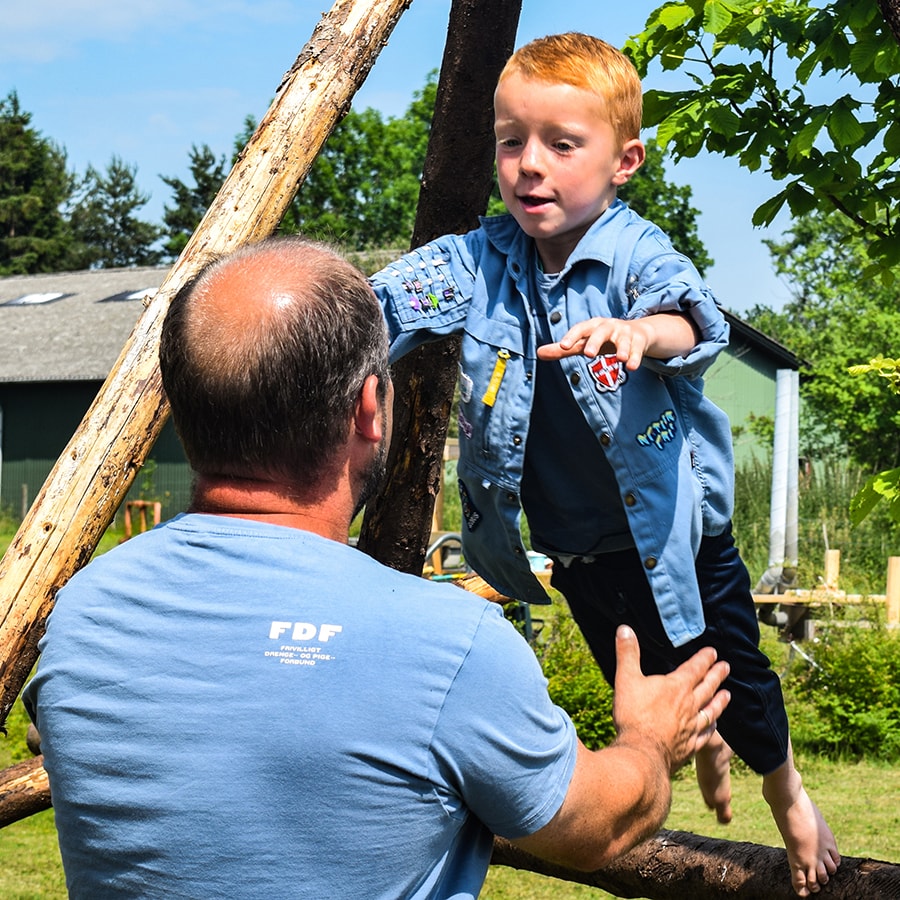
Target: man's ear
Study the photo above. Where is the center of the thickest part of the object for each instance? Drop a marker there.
(367, 419)
(631, 159)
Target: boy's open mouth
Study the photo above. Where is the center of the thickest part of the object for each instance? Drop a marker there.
(529, 201)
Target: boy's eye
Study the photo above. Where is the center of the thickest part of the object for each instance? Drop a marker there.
(509, 142)
(564, 146)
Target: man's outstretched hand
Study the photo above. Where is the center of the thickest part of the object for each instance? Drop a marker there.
(677, 711)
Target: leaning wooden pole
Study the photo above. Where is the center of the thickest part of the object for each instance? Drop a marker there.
(94, 472)
(456, 185)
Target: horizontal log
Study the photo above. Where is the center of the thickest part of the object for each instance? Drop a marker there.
(676, 864)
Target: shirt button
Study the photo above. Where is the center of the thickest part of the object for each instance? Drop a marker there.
(605, 439)
(630, 499)
(517, 440)
(528, 376)
(555, 317)
(511, 498)
(650, 562)
(575, 378)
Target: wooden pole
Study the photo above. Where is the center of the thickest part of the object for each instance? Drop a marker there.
(24, 790)
(456, 185)
(893, 590)
(676, 864)
(832, 569)
(94, 472)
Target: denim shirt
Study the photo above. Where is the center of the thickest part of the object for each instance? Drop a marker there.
(668, 445)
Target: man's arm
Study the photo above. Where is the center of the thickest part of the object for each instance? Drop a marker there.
(620, 795)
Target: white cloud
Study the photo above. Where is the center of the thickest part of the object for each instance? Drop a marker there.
(42, 31)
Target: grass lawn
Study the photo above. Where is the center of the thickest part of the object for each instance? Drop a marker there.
(858, 799)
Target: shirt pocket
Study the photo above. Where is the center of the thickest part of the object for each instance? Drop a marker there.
(493, 388)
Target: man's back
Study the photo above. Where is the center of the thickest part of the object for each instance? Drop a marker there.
(252, 710)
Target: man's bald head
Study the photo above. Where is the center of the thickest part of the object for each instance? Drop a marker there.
(263, 356)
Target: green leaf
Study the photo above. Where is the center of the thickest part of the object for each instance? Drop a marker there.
(766, 212)
(722, 120)
(716, 17)
(673, 16)
(892, 139)
(843, 126)
(800, 199)
(866, 499)
(803, 141)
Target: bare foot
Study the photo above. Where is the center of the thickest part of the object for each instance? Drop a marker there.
(811, 848)
(713, 762)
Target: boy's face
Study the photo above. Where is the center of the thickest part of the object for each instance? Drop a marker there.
(559, 162)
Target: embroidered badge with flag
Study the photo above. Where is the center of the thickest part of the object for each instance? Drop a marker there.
(608, 372)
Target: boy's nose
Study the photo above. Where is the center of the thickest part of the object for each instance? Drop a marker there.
(530, 160)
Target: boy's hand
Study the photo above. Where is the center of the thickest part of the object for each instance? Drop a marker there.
(627, 338)
(660, 336)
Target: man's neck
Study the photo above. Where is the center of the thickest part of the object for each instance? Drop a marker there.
(273, 502)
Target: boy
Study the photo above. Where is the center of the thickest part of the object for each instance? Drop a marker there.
(584, 336)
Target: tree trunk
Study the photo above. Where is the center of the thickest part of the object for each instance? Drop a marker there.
(890, 9)
(456, 185)
(24, 790)
(675, 864)
(94, 472)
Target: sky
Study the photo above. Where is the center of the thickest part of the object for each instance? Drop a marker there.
(146, 80)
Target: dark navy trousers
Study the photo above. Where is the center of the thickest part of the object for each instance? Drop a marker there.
(613, 590)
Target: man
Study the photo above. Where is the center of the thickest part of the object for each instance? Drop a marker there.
(353, 731)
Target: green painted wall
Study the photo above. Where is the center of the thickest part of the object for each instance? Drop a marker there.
(742, 382)
(38, 419)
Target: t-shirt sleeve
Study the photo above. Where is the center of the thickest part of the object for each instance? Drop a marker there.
(501, 742)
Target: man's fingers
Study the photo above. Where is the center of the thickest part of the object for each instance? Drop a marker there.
(628, 652)
(716, 706)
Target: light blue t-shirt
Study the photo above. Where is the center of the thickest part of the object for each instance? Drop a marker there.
(236, 709)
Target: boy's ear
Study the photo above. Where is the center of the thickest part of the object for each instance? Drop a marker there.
(631, 159)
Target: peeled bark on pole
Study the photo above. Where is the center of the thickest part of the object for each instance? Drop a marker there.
(94, 472)
(676, 864)
(456, 185)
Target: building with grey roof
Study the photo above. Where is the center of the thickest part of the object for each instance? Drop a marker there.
(60, 335)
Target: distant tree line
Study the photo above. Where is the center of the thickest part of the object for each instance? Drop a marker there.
(361, 193)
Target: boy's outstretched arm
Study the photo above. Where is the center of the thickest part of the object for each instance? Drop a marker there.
(660, 336)
(620, 795)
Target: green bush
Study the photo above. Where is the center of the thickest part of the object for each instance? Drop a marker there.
(575, 682)
(846, 705)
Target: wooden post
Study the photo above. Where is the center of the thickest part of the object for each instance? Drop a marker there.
(893, 590)
(94, 472)
(481, 36)
(832, 569)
